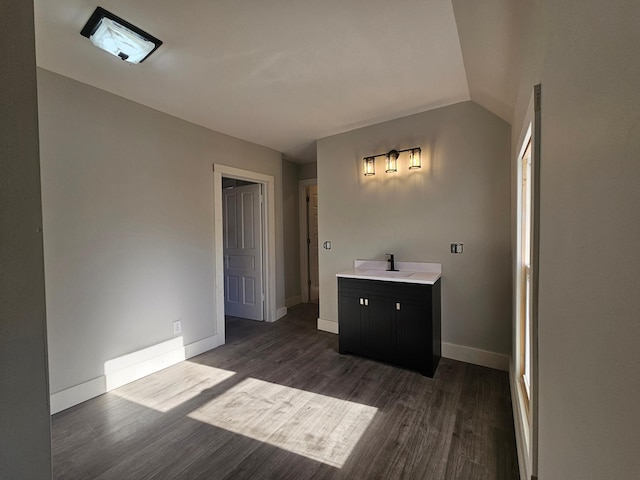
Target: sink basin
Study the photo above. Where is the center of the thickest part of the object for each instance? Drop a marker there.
(389, 274)
(409, 272)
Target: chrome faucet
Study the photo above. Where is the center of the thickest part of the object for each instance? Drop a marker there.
(392, 265)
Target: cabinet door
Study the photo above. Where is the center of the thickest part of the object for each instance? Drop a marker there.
(351, 338)
(413, 323)
(380, 328)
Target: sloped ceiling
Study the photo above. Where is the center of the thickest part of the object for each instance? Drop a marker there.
(284, 73)
(489, 44)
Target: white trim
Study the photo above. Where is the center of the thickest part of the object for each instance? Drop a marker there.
(281, 312)
(476, 356)
(525, 409)
(196, 348)
(77, 394)
(519, 422)
(290, 302)
(117, 378)
(130, 367)
(462, 353)
(270, 241)
(304, 257)
(139, 357)
(484, 358)
(218, 254)
(327, 326)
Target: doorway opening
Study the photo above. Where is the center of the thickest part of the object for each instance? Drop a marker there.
(259, 290)
(309, 273)
(242, 227)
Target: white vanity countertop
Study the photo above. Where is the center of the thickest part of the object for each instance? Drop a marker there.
(408, 272)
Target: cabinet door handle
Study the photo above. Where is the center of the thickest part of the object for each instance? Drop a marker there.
(361, 301)
(398, 306)
(366, 302)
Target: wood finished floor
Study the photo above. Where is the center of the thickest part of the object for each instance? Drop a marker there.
(278, 402)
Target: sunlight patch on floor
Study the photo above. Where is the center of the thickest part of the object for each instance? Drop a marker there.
(319, 427)
(182, 383)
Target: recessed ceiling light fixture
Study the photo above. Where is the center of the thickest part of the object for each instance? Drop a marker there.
(118, 37)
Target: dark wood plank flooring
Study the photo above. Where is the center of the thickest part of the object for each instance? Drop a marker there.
(278, 402)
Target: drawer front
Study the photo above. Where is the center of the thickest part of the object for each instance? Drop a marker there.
(380, 287)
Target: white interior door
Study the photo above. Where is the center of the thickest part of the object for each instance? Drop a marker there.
(312, 217)
(243, 277)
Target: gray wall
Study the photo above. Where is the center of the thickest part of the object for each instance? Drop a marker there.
(307, 171)
(25, 428)
(290, 199)
(128, 225)
(585, 55)
(461, 194)
(292, 173)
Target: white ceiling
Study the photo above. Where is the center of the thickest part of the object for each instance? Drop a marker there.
(284, 73)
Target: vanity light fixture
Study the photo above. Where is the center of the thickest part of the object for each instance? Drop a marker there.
(391, 160)
(414, 158)
(369, 166)
(119, 37)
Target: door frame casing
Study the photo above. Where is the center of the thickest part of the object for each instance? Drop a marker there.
(304, 255)
(268, 242)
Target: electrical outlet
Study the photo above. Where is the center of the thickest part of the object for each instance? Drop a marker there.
(456, 247)
(177, 326)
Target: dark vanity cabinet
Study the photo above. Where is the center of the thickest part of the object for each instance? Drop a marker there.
(392, 322)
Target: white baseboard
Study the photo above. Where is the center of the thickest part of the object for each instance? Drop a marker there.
(138, 370)
(77, 394)
(201, 346)
(131, 367)
(476, 356)
(327, 326)
(290, 302)
(281, 312)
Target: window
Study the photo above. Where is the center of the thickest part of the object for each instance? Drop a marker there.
(524, 374)
(526, 290)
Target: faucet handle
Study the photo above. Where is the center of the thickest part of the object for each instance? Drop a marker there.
(392, 262)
